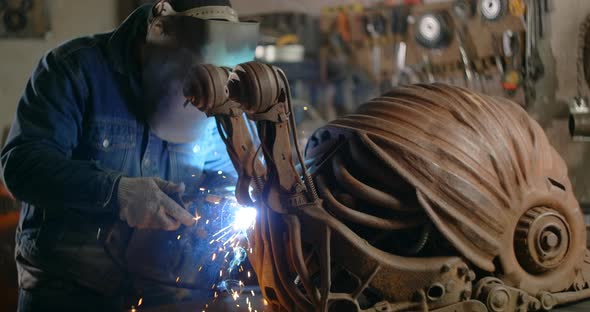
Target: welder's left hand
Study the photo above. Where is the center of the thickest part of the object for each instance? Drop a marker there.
(145, 203)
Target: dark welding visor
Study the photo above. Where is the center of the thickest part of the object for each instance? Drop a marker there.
(189, 41)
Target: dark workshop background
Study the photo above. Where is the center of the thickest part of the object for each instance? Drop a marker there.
(331, 72)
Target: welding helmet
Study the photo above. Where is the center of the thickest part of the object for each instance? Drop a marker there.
(202, 35)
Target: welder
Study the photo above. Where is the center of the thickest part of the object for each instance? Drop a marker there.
(101, 136)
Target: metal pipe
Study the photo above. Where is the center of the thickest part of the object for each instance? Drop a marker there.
(579, 126)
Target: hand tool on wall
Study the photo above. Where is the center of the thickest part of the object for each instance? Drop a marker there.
(496, 46)
(399, 29)
(512, 77)
(375, 28)
(535, 29)
(465, 8)
(466, 51)
(340, 36)
(517, 7)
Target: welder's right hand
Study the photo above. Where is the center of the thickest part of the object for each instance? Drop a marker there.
(144, 203)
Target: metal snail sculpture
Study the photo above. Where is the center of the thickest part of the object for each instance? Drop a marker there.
(428, 198)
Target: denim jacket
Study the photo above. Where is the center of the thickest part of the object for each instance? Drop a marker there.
(77, 130)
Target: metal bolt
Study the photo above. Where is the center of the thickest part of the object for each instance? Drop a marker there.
(471, 276)
(462, 271)
(547, 301)
(550, 240)
(499, 299)
(534, 305)
(467, 294)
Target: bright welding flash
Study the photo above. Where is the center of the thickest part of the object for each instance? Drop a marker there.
(245, 218)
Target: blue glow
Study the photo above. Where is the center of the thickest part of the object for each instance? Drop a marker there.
(244, 219)
(230, 189)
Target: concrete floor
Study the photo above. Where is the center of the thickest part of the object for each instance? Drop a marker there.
(580, 307)
(230, 305)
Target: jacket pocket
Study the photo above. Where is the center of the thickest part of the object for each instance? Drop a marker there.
(111, 142)
(186, 162)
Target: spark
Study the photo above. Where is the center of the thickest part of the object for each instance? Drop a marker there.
(177, 279)
(214, 257)
(219, 172)
(140, 302)
(222, 230)
(178, 237)
(207, 222)
(200, 268)
(264, 302)
(220, 273)
(245, 218)
(248, 274)
(235, 295)
(197, 217)
(253, 294)
(202, 189)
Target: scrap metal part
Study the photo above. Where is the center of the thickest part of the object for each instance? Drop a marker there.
(428, 198)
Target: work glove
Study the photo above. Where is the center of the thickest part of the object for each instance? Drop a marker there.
(144, 203)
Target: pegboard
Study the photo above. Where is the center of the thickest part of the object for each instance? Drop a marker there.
(482, 42)
(24, 18)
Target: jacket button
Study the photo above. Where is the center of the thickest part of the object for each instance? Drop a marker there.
(106, 143)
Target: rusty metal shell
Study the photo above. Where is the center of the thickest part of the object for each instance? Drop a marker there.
(477, 164)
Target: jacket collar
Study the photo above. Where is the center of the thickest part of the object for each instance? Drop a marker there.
(121, 43)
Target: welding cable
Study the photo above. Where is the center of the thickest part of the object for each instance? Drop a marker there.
(308, 180)
(282, 268)
(363, 191)
(294, 232)
(360, 217)
(365, 162)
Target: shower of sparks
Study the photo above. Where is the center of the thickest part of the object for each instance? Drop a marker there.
(228, 246)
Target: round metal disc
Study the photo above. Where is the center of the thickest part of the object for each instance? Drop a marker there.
(430, 28)
(491, 9)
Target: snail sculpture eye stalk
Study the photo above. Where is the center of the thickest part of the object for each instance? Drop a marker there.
(428, 198)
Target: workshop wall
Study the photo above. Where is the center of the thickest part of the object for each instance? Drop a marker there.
(565, 24)
(69, 19)
(247, 7)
